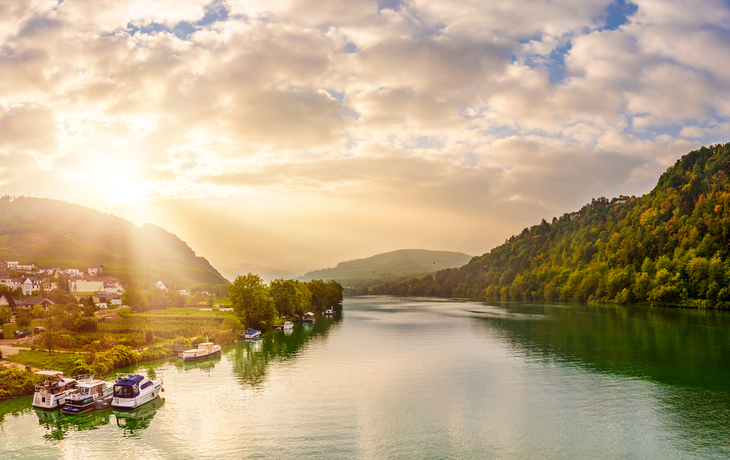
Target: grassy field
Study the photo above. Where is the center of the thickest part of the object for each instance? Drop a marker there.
(43, 360)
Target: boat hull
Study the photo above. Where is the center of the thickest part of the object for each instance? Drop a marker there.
(200, 357)
(50, 402)
(137, 401)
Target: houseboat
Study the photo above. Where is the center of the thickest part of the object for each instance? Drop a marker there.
(252, 334)
(308, 317)
(132, 391)
(54, 390)
(91, 395)
(203, 351)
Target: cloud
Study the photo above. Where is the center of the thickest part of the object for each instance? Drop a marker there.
(403, 116)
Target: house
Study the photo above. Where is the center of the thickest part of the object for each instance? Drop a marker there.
(161, 285)
(183, 292)
(26, 268)
(12, 265)
(6, 300)
(31, 284)
(95, 270)
(73, 273)
(113, 287)
(33, 301)
(85, 287)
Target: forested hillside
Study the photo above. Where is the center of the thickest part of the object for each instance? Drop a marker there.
(388, 267)
(670, 247)
(52, 232)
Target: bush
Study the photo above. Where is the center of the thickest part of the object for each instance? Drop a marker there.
(17, 382)
(155, 352)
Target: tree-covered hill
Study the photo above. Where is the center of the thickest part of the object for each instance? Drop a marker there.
(389, 267)
(669, 247)
(52, 232)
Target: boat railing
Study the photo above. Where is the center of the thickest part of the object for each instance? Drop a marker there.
(81, 377)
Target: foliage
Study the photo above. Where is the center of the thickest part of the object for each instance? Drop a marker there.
(60, 296)
(63, 362)
(288, 298)
(134, 298)
(104, 362)
(17, 382)
(251, 301)
(5, 314)
(670, 247)
(23, 320)
(155, 352)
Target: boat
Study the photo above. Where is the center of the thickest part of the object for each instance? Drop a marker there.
(329, 312)
(91, 395)
(308, 317)
(203, 351)
(54, 390)
(288, 325)
(133, 390)
(252, 334)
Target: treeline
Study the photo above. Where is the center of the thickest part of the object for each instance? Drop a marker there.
(258, 305)
(669, 247)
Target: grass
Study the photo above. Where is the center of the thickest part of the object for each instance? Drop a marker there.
(63, 362)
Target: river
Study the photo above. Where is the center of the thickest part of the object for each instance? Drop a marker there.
(427, 378)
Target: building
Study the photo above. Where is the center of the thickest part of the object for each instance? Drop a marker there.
(31, 284)
(85, 287)
(6, 300)
(95, 270)
(33, 301)
(161, 285)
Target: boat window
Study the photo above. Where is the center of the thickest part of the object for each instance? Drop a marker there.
(146, 384)
(86, 391)
(123, 391)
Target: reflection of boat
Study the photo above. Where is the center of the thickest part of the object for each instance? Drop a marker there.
(204, 350)
(60, 423)
(91, 395)
(51, 393)
(132, 391)
(138, 418)
(329, 312)
(288, 325)
(252, 334)
(308, 317)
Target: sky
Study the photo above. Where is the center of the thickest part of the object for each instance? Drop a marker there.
(291, 135)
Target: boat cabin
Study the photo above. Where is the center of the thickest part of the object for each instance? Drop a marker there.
(92, 388)
(129, 386)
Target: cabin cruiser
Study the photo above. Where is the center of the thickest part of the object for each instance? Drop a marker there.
(204, 350)
(288, 325)
(91, 395)
(308, 317)
(54, 390)
(252, 334)
(131, 391)
(329, 312)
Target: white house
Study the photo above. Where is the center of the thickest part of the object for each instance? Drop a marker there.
(161, 285)
(96, 270)
(73, 272)
(31, 284)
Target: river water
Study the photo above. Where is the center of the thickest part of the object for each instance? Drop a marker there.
(427, 378)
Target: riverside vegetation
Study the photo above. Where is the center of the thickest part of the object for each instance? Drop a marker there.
(157, 323)
(667, 248)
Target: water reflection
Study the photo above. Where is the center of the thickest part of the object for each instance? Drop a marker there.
(204, 364)
(250, 358)
(14, 407)
(134, 421)
(59, 424)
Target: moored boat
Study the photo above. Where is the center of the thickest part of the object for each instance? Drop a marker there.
(52, 393)
(288, 325)
(252, 334)
(91, 395)
(132, 391)
(329, 312)
(203, 351)
(308, 317)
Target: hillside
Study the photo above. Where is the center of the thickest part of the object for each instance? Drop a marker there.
(389, 267)
(670, 247)
(51, 232)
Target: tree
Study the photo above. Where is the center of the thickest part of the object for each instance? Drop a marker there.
(23, 320)
(287, 298)
(38, 311)
(251, 301)
(51, 324)
(5, 314)
(134, 298)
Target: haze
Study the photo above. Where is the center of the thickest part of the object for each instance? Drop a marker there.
(297, 134)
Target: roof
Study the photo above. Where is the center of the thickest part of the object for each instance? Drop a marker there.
(90, 383)
(36, 301)
(129, 380)
(49, 372)
(252, 331)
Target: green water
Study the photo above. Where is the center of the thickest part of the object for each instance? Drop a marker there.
(425, 378)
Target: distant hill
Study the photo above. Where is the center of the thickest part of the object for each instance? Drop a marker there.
(669, 247)
(388, 267)
(52, 232)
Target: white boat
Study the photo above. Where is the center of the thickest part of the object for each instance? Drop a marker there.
(252, 334)
(288, 325)
(132, 391)
(204, 350)
(308, 317)
(91, 395)
(54, 390)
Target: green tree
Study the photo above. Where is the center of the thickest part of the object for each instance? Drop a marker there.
(5, 314)
(134, 298)
(251, 301)
(51, 324)
(287, 298)
(23, 320)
